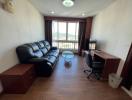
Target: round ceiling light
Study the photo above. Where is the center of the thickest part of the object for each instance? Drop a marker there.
(68, 3)
(52, 12)
(83, 14)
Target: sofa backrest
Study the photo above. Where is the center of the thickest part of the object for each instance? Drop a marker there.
(47, 45)
(32, 50)
(42, 47)
(37, 52)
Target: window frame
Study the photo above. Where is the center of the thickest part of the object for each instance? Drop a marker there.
(67, 22)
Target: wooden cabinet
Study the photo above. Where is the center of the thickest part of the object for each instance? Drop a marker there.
(18, 78)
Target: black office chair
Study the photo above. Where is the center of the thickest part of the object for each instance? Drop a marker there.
(95, 67)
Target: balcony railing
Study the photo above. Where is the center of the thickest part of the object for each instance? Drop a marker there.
(63, 45)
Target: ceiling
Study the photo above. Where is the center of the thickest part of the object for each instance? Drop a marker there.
(89, 7)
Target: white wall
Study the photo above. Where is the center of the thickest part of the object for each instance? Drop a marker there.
(113, 29)
(24, 26)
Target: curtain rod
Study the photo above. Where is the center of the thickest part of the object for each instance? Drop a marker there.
(66, 18)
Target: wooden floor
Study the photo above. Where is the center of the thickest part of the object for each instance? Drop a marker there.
(69, 83)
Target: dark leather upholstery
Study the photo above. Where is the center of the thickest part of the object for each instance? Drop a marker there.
(39, 53)
(42, 47)
(47, 45)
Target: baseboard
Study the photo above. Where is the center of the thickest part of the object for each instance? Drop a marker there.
(128, 92)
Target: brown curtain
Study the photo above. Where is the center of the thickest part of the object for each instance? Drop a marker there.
(48, 31)
(82, 29)
(84, 34)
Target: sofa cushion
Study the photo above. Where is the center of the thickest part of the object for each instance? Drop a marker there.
(51, 59)
(34, 47)
(42, 47)
(53, 53)
(40, 44)
(47, 45)
(44, 50)
(37, 52)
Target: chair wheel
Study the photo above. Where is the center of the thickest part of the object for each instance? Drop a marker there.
(98, 78)
(88, 77)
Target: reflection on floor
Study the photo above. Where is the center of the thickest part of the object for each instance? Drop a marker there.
(69, 83)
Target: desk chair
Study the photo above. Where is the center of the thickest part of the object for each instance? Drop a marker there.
(95, 67)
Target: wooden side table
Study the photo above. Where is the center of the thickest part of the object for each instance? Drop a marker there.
(18, 79)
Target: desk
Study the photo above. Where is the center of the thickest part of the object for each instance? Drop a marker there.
(111, 62)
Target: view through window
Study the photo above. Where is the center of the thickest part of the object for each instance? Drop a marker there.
(65, 34)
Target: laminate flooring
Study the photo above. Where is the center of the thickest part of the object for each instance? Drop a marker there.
(69, 82)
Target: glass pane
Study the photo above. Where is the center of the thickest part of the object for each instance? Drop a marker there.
(71, 31)
(54, 30)
(62, 30)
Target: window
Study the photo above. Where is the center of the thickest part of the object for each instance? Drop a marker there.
(73, 31)
(65, 30)
(65, 34)
(54, 30)
(61, 31)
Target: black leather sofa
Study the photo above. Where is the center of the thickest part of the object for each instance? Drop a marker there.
(41, 54)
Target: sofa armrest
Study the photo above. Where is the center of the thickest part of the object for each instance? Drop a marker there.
(53, 48)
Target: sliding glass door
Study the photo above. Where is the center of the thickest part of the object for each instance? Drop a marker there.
(65, 34)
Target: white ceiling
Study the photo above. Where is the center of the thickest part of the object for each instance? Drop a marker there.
(89, 7)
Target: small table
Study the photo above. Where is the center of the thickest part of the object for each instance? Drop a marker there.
(68, 55)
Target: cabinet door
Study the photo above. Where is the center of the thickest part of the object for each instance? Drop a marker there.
(29, 78)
